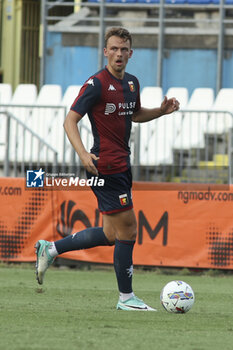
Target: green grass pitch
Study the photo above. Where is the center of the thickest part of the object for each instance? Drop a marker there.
(75, 309)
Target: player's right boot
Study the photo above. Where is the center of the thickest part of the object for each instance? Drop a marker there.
(44, 259)
(133, 304)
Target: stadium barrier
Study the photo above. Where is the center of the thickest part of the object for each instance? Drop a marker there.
(180, 225)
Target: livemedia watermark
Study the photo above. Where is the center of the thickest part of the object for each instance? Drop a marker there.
(60, 180)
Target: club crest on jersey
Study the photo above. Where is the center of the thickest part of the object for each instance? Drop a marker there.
(131, 86)
(123, 199)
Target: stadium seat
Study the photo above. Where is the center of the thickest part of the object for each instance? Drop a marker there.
(173, 127)
(157, 136)
(224, 100)
(124, 1)
(48, 120)
(148, 1)
(180, 93)
(200, 2)
(175, 1)
(20, 104)
(150, 97)
(221, 122)
(69, 96)
(49, 95)
(194, 124)
(5, 93)
(25, 94)
(227, 2)
(5, 97)
(201, 99)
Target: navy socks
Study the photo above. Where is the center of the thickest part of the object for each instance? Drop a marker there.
(88, 238)
(123, 265)
(93, 237)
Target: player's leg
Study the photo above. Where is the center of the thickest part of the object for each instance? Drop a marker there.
(85, 239)
(88, 238)
(124, 223)
(125, 226)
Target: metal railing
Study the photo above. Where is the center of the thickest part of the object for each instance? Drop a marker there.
(44, 120)
(189, 146)
(31, 147)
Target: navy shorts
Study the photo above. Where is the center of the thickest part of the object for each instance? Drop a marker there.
(115, 195)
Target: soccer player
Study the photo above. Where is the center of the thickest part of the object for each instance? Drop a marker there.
(111, 98)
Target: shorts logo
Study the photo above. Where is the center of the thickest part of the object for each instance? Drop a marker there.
(35, 178)
(109, 108)
(124, 199)
(131, 86)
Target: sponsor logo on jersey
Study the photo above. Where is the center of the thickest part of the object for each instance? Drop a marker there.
(124, 199)
(127, 105)
(124, 108)
(90, 82)
(131, 86)
(111, 88)
(109, 108)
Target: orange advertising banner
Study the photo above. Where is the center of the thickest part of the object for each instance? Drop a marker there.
(186, 225)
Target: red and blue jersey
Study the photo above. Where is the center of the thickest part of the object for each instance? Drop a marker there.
(110, 104)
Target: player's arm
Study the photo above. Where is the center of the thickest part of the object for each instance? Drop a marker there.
(146, 114)
(72, 131)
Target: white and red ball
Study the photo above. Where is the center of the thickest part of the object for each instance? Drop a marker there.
(177, 297)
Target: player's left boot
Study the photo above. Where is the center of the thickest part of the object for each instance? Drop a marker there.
(133, 304)
(44, 259)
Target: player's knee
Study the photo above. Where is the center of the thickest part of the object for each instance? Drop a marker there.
(132, 233)
(128, 232)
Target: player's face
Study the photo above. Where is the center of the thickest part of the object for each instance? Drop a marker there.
(118, 51)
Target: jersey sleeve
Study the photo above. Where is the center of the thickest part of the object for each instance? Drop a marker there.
(89, 94)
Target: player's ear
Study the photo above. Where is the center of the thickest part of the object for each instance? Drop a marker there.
(130, 53)
(105, 52)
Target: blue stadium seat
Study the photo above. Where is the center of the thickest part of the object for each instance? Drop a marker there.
(148, 1)
(227, 2)
(176, 2)
(204, 2)
(99, 0)
(124, 1)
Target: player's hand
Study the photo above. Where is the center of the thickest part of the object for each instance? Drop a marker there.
(87, 160)
(169, 105)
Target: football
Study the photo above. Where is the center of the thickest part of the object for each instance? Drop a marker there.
(177, 297)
